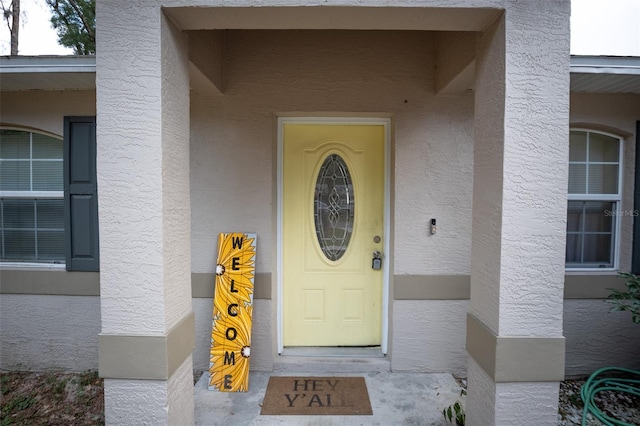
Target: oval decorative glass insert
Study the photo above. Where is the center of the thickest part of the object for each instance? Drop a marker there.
(334, 207)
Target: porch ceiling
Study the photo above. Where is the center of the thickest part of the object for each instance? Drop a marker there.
(332, 17)
(47, 73)
(605, 74)
(589, 74)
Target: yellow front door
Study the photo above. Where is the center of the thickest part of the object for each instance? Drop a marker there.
(333, 208)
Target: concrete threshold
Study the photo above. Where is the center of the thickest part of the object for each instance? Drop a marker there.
(334, 352)
(331, 360)
(396, 399)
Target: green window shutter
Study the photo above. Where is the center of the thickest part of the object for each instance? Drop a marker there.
(80, 194)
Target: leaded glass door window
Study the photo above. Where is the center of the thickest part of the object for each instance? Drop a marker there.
(334, 207)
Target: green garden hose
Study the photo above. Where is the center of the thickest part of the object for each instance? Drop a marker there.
(595, 385)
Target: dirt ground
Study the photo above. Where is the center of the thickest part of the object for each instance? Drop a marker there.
(51, 399)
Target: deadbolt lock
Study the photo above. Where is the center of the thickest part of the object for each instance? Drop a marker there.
(376, 262)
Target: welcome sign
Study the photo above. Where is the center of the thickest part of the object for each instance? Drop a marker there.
(232, 313)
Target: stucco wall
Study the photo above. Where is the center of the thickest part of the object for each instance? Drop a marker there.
(597, 338)
(233, 142)
(430, 336)
(233, 152)
(42, 332)
(433, 143)
(44, 111)
(266, 73)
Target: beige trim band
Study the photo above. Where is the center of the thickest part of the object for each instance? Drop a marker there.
(50, 282)
(63, 283)
(202, 285)
(457, 287)
(586, 286)
(515, 359)
(146, 357)
(405, 287)
(431, 287)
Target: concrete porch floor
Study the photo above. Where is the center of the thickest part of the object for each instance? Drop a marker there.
(396, 399)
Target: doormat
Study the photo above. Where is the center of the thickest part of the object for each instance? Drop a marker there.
(316, 396)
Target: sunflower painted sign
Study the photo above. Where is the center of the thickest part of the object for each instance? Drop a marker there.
(232, 309)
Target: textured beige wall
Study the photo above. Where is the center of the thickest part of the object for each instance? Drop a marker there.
(271, 72)
(143, 145)
(40, 332)
(44, 111)
(597, 338)
(233, 137)
(430, 336)
(519, 200)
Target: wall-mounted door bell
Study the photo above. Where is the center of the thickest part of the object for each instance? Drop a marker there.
(432, 229)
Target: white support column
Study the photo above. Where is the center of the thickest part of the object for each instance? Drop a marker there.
(514, 334)
(144, 211)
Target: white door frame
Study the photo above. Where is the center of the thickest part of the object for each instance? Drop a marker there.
(386, 122)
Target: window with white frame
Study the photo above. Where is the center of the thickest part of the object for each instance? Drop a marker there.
(594, 199)
(31, 197)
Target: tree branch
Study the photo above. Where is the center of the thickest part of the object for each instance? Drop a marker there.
(6, 12)
(87, 27)
(56, 5)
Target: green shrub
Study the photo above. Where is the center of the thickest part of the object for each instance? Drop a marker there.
(627, 300)
(455, 412)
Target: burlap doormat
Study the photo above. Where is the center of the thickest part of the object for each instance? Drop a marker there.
(316, 396)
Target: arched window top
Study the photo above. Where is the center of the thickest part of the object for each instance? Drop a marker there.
(594, 159)
(30, 161)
